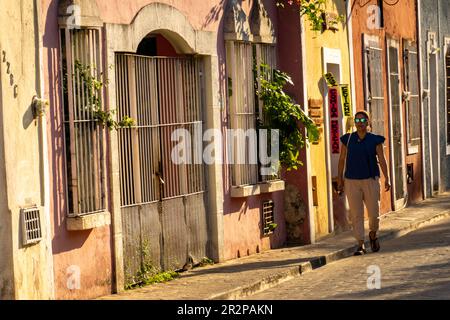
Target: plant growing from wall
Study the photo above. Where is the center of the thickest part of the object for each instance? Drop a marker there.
(148, 273)
(282, 113)
(315, 12)
(92, 87)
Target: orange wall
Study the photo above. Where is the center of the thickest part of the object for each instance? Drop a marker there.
(399, 22)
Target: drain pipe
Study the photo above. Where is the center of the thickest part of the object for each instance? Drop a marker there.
(40, 106)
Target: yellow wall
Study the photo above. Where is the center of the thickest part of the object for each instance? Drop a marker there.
(314, 42)
(25, 271)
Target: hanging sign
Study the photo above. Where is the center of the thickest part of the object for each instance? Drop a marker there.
(331, 81)
(334, 136)
(345, 100)
(333, 102)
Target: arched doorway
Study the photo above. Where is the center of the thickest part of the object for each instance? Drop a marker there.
(162, 177)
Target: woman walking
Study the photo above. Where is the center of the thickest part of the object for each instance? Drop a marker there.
(359, 154)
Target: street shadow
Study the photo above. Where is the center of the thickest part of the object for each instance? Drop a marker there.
(420, 239)
(253, 266)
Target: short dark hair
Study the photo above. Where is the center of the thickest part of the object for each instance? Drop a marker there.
(364, 113)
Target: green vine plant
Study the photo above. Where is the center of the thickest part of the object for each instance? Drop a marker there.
(282, 113)
(148, 274)
(315, 11)
(92, 88)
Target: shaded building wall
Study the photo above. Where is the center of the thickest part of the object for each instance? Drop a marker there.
(296, 200)
(435, 15)
(243, 216)
(241, 226)
(78, 255)
(399, 23)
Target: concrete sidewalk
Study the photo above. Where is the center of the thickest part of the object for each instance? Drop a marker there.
(242, 277)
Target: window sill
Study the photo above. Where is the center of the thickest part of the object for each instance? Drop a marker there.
(255, 189)
(89, 221)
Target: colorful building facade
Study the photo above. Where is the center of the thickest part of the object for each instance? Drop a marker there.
(386, 69)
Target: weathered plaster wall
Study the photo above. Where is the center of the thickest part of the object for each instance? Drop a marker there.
(290, 60)
(88, 251)
(435, 15)
(243, 218)
(21, 165)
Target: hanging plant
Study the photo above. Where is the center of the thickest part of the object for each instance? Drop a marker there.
(92, 87)
(314, 10)
(283, 114)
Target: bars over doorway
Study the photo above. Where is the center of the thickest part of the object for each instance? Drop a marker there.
(162, 95)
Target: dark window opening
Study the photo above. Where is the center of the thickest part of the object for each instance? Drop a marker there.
(147, 47)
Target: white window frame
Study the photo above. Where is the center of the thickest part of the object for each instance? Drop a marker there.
(411, 148)
(398, 203)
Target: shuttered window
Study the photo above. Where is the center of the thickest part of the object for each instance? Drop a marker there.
(265, 54)
(447, 83)
(242, 114)
(411, 96)
(374, 87)
(245, 108)
(84, 138)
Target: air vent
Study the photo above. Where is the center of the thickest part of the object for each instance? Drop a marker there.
(268, 220)
(31, 225)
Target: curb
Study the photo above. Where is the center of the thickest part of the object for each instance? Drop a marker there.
(292, 272)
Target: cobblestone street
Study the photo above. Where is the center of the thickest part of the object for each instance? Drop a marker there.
(416, 266)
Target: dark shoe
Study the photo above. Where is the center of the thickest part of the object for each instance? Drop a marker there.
(360, 251)
(374, 244)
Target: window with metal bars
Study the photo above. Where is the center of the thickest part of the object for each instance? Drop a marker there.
(246, 111)
(31, 225)
(268, 217)
(411, 96)
(374, 87)
(163, 94)
(81, 56)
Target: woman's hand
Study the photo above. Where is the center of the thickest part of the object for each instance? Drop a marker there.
(387, 185)
(340, 185)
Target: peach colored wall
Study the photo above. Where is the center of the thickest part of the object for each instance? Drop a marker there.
(400, 22)
(242, 216)
(243, 229)
(89, 250)
(290, 54)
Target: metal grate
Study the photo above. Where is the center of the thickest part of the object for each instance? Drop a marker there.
(31, 225)
(163, 95)
(268, 219)
(81, 54)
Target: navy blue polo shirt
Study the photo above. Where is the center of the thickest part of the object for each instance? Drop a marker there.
(362, 160)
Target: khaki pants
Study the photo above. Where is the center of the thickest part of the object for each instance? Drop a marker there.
(360, 192)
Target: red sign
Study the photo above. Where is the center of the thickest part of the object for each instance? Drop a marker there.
(334, 136)
(333, 102)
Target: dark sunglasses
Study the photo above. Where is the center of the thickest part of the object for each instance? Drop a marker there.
(362, 120)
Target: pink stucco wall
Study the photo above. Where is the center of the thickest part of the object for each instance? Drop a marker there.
(242, 220)
(290, 49)
(90, 251)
